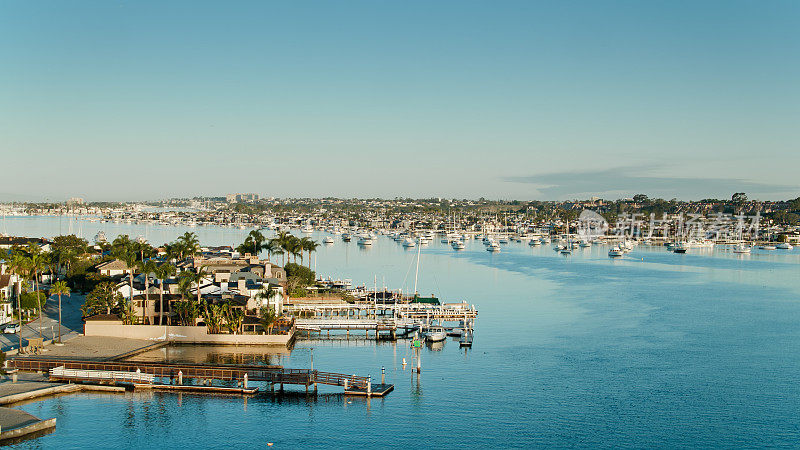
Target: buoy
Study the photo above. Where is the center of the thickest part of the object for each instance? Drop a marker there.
(269, 444)
(404, 361)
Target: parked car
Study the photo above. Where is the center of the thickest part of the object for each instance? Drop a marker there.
(12, 329)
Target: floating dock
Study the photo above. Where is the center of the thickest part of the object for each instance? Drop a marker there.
(172, 374)
(378, 390)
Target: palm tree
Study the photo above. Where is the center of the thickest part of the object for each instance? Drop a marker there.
(268, 318)
(188, 278)
(258, 240)
(296, 249)
(59, 288)
(190, 243)
(19, 265)
(36, 262)
(267, 293)
(309, 245)
(271, 247)
(125, 252)
(146, 267)
(163, 271)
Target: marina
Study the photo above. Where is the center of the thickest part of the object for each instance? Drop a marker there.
(547, 293)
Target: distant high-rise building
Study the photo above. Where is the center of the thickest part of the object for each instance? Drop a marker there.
(76, 201)
(241, 198)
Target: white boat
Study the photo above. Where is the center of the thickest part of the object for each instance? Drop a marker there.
(346, 237)
(458, 245)
(741, 248)
(584, 243)
(327, 240)
(784, 246)
(436, 334)
(365, 240)
(767, 247)
(493, 247)
(408, 242)
(308, 229)
(534, 242)
(615, 252)
(100, 237)
(680, 247)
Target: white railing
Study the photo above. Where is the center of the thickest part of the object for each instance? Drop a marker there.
(101, 375)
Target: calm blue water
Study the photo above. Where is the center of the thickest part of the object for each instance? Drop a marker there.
(652, 350)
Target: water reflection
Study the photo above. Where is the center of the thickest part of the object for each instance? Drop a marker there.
(222, 354)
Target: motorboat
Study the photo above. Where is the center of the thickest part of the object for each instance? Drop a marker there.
(458, 245)
(346, 237)
(365, 240)
(584, 243)
(741, 248)
(436, 334)
(680, 248)
(767, 247)
(408, 242)
(784, 246)
(534, 242)
(493, 247)
(615, 252)
(327, 240)
(308, 229)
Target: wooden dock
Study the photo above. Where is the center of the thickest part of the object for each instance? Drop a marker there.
(135, 372)
(376, 317)
(378, 390)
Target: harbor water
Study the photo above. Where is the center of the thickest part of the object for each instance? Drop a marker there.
(653, 349)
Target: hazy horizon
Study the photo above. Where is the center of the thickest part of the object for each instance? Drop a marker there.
(123, 101)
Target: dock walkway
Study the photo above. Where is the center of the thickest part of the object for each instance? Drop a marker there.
(113, 372)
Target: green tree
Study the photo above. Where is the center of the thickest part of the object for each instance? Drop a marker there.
(103, 298)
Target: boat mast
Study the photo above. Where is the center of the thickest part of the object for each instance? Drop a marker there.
(416, 274)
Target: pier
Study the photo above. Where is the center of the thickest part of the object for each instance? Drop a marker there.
(378, 317)
(159, 375)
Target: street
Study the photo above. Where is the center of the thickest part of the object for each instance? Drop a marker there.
(71, 323)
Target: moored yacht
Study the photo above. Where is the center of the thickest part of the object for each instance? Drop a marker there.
(741, 248)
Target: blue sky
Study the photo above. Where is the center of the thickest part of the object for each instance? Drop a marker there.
(526, 100)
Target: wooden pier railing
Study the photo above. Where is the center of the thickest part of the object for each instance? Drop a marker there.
(271, 374)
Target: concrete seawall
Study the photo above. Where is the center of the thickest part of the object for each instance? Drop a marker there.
(182, 334)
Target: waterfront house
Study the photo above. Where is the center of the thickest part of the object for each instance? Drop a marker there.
(113, 268)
